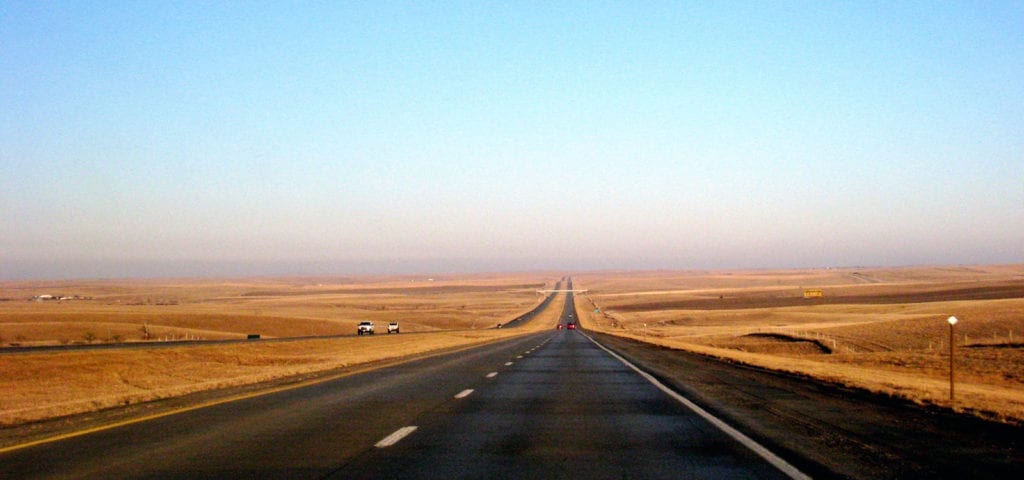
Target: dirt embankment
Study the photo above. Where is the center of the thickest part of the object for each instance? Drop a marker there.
(779, 344)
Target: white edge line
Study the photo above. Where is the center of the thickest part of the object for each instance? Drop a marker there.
(395, 437)
(465, 393)
(748, 442)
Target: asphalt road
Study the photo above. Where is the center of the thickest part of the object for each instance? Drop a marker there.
(547, 405)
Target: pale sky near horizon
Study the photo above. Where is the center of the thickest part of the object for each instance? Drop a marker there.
(142, 139)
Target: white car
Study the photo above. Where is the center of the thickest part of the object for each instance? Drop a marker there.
(365, 328)
(393, 327)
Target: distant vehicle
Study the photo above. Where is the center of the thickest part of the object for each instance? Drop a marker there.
(571, 326)
(559, 326)
(365, 328)
(393, 327)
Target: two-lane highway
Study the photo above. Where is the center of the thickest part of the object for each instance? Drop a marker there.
(547, 405)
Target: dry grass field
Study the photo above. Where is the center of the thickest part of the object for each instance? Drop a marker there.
(883, 330)
(434, 314)
(154, 310)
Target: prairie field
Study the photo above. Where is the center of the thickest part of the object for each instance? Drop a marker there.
(880, 329)
(434, 314)
(159, 310)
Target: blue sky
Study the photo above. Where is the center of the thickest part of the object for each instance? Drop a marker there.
(251, 138)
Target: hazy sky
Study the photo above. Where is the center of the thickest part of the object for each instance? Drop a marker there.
(225, 138)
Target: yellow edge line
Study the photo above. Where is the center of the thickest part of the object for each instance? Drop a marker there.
(303, 384)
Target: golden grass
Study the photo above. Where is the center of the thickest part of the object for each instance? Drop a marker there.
(108, 311)
(898, 349)
(43, 385)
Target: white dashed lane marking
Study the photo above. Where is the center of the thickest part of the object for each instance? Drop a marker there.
(465, 393)
(492, 374)
(395, 437)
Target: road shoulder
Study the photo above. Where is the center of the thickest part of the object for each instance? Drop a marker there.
(830, 431)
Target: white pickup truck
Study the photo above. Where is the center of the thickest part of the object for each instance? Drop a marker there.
(365, 328)
(393, 327)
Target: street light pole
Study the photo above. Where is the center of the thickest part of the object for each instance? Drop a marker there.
(952, 321)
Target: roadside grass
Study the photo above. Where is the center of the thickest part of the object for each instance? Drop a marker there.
(47, 385)
(151, 310)
(899, 349)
